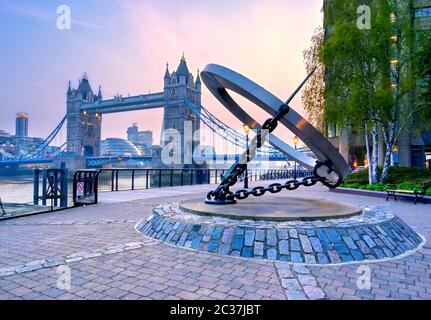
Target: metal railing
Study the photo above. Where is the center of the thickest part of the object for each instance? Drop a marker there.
(87, 183)
(134, 179)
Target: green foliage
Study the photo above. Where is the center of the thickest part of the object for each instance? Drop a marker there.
(403, 178)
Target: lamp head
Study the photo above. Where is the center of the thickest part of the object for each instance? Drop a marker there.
(246, 128)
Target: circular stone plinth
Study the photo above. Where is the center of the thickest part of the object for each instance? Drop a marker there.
(375, 234)
(279, 209)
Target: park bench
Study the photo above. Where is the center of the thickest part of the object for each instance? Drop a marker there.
(3, 212)
(419, 191)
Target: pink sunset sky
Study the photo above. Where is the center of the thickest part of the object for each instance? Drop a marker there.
(124, 47)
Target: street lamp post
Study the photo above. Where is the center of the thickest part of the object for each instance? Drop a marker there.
(295, 142)
(246, 130)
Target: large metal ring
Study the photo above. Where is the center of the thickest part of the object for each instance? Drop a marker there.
(218, 78)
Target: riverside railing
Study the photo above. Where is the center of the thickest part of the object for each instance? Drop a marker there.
(87, 183)
(135, 179)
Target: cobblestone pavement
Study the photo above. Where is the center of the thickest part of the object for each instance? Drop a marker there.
(108, 259)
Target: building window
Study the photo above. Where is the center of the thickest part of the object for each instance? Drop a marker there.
(423, 12)
(332, 130)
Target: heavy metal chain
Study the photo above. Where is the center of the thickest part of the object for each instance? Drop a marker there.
(322, 171)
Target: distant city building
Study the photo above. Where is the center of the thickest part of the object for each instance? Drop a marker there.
(143, 140)
(21, 128)
(117, 147)
(133, 133)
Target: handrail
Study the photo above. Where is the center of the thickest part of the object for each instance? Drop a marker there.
(91, 180)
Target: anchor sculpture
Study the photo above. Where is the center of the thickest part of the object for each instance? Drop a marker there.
(330, 169)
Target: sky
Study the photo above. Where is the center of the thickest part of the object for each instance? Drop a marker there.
(124, 45)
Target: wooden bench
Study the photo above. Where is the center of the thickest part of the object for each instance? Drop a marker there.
(419, 192)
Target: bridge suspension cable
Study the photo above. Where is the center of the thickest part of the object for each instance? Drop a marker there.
(42, 147)
(224, 131)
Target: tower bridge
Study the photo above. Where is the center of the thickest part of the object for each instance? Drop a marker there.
(181, 101)
(85, 109)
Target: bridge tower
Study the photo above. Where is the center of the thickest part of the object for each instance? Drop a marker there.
(178, 86)
(83, 127)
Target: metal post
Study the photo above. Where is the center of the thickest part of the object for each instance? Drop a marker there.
(36, 187)
(172, 177)
(160, 178)
(133, 179)
(191, 177)
(55, 188)
(146, 179)
(295, 142)
(182, 177)
(44, 188)
(112, 180)
(248, 160)
(116, 179)
(64, 186)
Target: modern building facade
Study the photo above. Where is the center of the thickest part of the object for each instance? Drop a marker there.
(411, 149)
(143, 140)
(118, 147)
(21, 127)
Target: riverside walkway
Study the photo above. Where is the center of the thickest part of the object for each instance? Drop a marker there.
(108, 259)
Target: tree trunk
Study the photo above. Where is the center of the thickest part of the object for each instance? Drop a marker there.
(375, 156)
(389, 141)
(370, 164)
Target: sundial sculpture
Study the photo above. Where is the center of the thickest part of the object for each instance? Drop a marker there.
(330, 169)
(255, 229)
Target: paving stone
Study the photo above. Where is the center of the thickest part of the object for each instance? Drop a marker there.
(283, 234)
(227, 235)
(306, 245)
(294, 245)
(307, 280)
(322, 258)
(315, 243)
(334, 257)
(283, 247)
(271, 238)
(369, 241)
(293, 233)
(258, 248)
(271, 254)
(290, 284)
(310, 259)
(364, 248)
(249, 238)
(247, 252)
(296, 257)
(301, 269)
(333, 236)
(260, 235)
(314, 292)
(238, 243)
(295, 295)
(350, 243)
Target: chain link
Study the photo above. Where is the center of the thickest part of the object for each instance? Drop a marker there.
(273, 188)
(223, 193)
